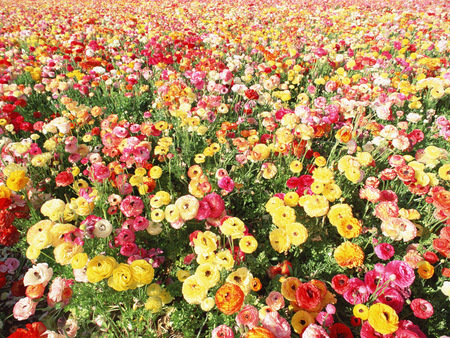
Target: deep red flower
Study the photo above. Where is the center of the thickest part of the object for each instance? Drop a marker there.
(339, 330)
(430, 257)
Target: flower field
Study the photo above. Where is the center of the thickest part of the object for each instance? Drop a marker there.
(224, 168)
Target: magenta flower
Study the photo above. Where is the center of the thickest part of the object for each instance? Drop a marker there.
(226, 183)
(384, 251)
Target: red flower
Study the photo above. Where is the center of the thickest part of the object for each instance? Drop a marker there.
(9, 236)
(340, 284)
(422, 308)
(251, 94)
(355, 321)
(308, 296)
(442, 246)
(18, 289)
(64, 179)
(430, 257)
(6, 218)
(339, 330)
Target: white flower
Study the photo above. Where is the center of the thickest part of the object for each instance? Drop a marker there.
(446, 288)
(38, 274)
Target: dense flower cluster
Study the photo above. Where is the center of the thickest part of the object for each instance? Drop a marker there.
(161, 160)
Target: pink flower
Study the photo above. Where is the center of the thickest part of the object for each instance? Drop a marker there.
(384, 251)
(411, 327)
(226, 183)
(391, 297)
(325, 319)
(216, 205)
(140, 223)
(125, 236)
(315, 331)
(275, 300)
(204, 211)
(404, 274)
(60, 291)
(357, 292)
(276, 324)
(100, 172)
(129, 249)
(222, 331)
(422, 308)
(24, 308)
(132, 206)
(248, 316)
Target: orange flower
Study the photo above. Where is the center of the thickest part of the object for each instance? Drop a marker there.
(349, 255)
(426, 270)
(256, 284)
(259, 332)
(229, 298)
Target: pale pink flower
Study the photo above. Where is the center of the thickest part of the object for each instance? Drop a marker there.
(276, 324)
(222, 331)
(275, 301)
(38, 274)
(24, 308)
(315, 331)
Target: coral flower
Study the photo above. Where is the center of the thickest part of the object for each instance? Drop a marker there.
(222, 331)
(259, 332)
(308, 296)
(248, 316)
(422, 308)
(229, 298)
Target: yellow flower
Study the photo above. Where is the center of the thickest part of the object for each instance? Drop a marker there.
(323, 175)
(225, 259)
(79, 260)
(243, 278)
(361, 311)
(283, 215)
(122, 278)
(17, 180)
(208, 304)
(164, 197)
(248, 244)
(153, 304)
(338, 212)
(233, 227)
(316, 205)
(364, 158)
(291, 199)
(320, 161)
(171, 213)
(100, 267)
(383, 318)
(279, 240)
(444, 172)
(65, 251)
(182, 275)
(194, 292)
(273, 203)
(157, 215)
(207, 274)
(205, 242)
(353, 174)
(269, 170)
(153, 290)
(155, 172)
(332, 192)
(32, 253)
(203, 258)
(187, 206)
(143, 271)
(165, 296)
(57, 233)
(199, 158)
(296, 166)
(41, 160)
(317, 187)
(297, 233)
(53, 209)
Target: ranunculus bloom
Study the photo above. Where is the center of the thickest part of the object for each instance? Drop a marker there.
(339, 330)
(248, 316)
(260, 332)
(391, 297)
(422, 308)
(383, 318)
(38, 274)
(289, 288)
(229, 298)
(404, 274)
(226, 183)
(275, 301)
(132, 206)
(222, 331)
(357, 293)
(24, 308)
(315, 331)
(308, 296)
(384, 251)
(64, 179)
(216, 205)
(340, 283)
(276, 324)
